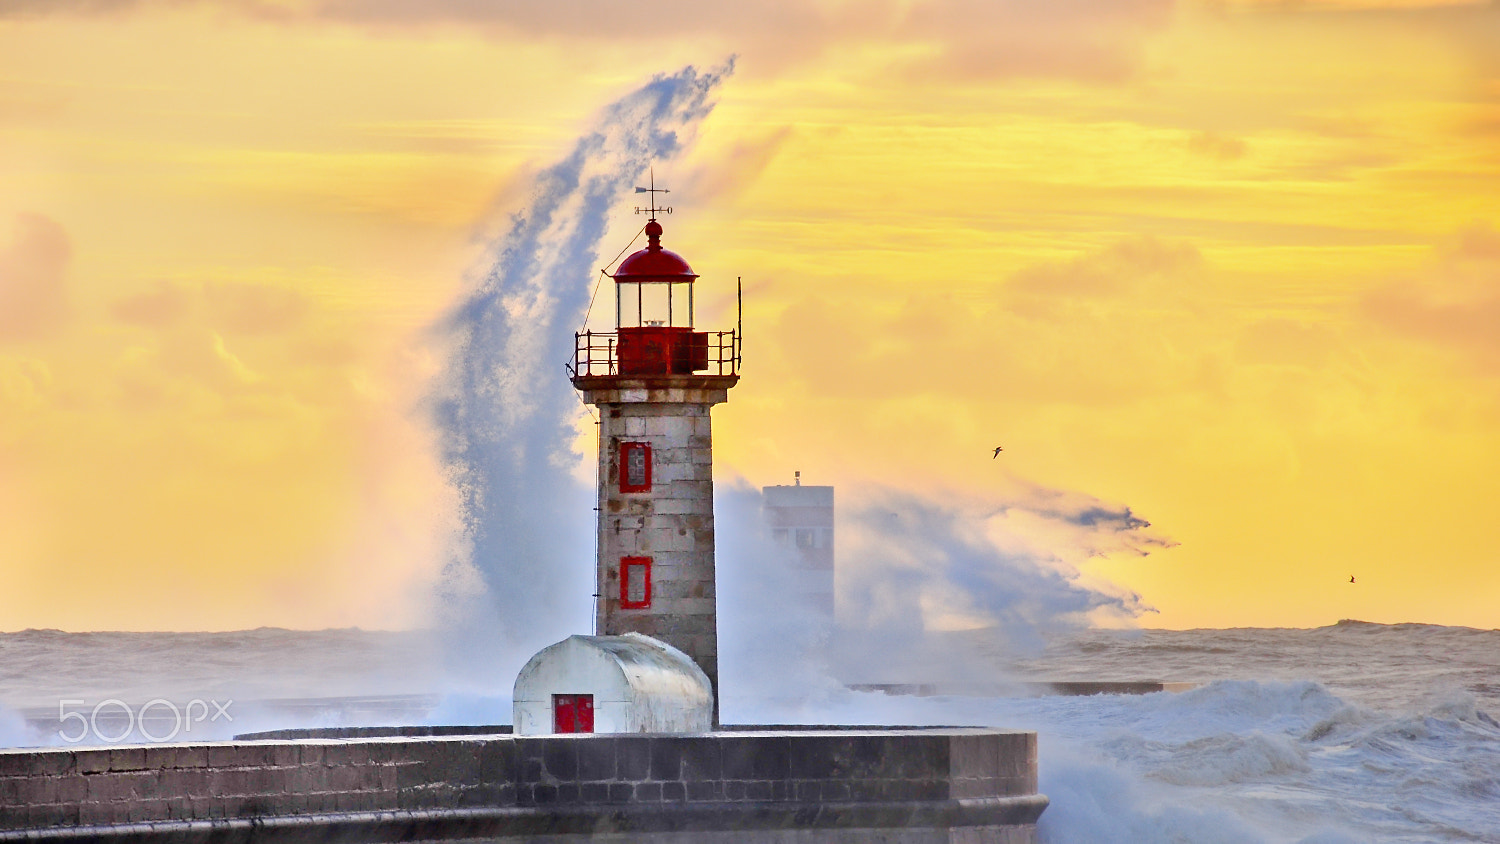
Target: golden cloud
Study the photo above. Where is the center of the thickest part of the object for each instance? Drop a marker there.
(1454, 303)
(33, 267)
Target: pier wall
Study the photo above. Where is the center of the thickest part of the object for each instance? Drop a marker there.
(846, 786)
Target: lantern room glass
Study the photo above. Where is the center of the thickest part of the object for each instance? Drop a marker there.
(639, 304)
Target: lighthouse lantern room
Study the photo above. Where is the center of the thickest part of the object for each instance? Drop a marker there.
(654, 379)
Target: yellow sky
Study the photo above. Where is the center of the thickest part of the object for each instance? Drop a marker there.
(1232, 265)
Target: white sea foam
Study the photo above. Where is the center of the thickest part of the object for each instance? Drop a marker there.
(1243, 760)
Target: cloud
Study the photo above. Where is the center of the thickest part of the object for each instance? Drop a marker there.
(1286, 342)
(793, 23)
(1116, 325)
(31, 8)
(1479, 242)
(254, 308)
(157, 309)
(1217, 146)
(213, 446)
(1124, 266)
(199, 334)
(746, 159)
(1089, 40)
(231, 307)
(1355, 6)
(1454, 303)
(33, 267)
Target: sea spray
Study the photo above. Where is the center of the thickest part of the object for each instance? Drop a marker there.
(907, 548)
(14, 731)
(773, 637)
(504, 408)
(911, 568)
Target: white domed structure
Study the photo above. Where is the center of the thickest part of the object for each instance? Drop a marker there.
(612, 684)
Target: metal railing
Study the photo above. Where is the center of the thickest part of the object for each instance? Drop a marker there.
(597, 353)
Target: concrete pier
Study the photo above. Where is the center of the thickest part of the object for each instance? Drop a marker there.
(853, 785)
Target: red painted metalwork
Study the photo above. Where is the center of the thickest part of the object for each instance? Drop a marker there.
(659, 345)
(662, 350)
(635, 467)
(657, 350)
(635, 583)
(572, 713)
(654, 263)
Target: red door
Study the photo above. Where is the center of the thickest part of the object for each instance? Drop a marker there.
(572, 713)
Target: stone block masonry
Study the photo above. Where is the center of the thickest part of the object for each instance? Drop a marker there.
(849, 785)
(671, 522)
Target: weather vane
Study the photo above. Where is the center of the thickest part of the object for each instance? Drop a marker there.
(653, 209)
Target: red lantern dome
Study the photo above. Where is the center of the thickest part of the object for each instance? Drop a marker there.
(654, 263)
(654, 336)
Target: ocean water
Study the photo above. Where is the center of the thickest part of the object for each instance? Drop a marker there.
(1354, 732)
(1349, 733)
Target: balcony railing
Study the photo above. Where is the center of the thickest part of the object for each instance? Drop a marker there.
(652, 351)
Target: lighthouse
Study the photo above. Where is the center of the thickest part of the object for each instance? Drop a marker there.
(654, 380)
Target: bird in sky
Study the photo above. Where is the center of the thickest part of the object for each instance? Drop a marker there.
(1351, 578)
(998, 449)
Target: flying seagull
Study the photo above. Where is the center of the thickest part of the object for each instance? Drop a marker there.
(998, 449)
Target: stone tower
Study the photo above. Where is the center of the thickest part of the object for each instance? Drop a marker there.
(654, 380)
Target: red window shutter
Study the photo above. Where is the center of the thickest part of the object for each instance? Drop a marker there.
(635, 583)
(635, 467)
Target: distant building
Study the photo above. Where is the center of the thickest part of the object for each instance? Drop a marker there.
(800, 521)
